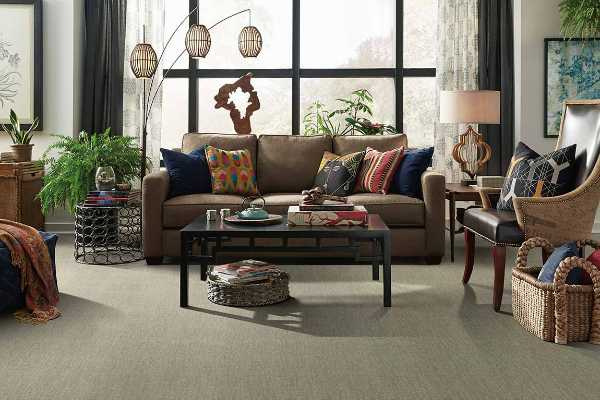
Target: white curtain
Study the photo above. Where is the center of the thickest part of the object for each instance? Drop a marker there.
(457, 69)
(140, 13)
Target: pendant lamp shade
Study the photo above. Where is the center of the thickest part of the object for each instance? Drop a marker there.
(143, 61)
(197, 41)
(250, 41)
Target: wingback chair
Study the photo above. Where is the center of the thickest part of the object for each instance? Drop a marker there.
(559, 219)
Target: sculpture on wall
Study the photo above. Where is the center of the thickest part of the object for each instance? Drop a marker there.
(241, 100)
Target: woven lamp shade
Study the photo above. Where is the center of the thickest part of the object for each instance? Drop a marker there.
(250, 41)
(143, 61)
(197, 41)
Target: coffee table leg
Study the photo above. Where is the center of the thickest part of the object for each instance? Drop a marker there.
(183, 272)
(387, 272)
(375, 265)
(203, 253)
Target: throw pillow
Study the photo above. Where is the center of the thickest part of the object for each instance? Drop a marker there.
(569, 249)
(532, 175)
(337, 174)
(407, 180)
(377, 170)
(188, 173)
(232, 172)
(594, 258)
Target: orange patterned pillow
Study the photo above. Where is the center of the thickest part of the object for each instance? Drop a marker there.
(231, 172)
(377, 170)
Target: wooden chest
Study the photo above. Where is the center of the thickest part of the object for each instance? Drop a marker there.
(19, 185)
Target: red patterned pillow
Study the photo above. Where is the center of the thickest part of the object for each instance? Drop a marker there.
(377, 170)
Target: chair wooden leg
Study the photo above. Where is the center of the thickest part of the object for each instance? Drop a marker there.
(499, 255)
(469, 255)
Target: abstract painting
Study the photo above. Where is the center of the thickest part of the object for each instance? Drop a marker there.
(572, 72)
(20, 60)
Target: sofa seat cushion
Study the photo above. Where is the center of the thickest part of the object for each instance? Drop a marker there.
(278, 203)
(497, 226)
(395, 209)
(180, 211)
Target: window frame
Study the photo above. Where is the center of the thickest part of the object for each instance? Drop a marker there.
(398, 73)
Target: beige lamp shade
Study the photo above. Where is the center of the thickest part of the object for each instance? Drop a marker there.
(470, 106)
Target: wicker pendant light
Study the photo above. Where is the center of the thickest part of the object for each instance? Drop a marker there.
(143, 61)
(250, 41)
(197, 41)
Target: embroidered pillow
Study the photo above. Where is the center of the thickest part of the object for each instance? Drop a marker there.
(377, 170)
(337, 174)
(231, 172)
(532, 175)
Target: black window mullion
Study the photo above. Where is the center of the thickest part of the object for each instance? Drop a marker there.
(296, 68)
(192, 79)
(399, 71)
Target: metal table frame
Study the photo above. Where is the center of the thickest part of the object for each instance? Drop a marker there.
(379, 238)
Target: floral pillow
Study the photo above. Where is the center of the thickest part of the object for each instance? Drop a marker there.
(232, 172)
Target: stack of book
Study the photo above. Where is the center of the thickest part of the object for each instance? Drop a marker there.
(112, 198)
(246, 271)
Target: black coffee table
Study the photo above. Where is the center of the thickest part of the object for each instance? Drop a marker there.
(202, 232)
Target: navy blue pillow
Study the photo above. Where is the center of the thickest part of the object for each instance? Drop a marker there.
(551, 265)
(407, 180)
(188, 173)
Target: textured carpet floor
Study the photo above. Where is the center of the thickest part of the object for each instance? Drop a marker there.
(123, 336)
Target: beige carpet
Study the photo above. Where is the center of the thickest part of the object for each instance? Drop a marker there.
(123, 336)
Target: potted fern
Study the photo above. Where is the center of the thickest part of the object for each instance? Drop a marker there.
(71, 174)
(580, 18)
(21, 147)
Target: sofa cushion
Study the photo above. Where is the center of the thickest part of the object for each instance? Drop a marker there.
(278, 203)
(192, 141)
(288, 164)
(337, 174)
(378, 170)
(188, 173)
(232, 171)
(180, 211)
(351, 144)
(395, 209)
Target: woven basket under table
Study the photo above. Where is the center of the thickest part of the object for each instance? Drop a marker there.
(556, 312)
(273, 291)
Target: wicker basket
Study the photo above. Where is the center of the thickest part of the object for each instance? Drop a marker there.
(556, 312)
(273, 291)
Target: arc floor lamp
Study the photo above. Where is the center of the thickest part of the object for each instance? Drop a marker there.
(144, 61)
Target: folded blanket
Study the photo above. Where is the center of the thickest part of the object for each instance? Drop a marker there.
(30, 255)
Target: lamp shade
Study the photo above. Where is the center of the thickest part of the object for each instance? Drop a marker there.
(143, 61)
(250, 41)
(470, 106)
(197, 41)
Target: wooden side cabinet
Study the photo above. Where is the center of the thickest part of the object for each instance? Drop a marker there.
(20, 184)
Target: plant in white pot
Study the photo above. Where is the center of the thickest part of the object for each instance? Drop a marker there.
(21, 138)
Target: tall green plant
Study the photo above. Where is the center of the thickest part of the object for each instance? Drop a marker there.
(580, 18)
(18, 135)
(71, 174)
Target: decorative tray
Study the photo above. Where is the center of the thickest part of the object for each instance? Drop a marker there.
(272, 220)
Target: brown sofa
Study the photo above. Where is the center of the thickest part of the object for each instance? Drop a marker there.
(285, 165)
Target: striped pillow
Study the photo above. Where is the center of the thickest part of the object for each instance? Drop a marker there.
(377, 170)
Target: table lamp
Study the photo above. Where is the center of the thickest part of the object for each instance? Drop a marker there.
(470, 107)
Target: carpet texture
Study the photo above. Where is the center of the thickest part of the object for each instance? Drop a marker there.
(123, 336)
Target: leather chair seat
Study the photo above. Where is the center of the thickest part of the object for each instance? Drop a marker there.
(500, 227)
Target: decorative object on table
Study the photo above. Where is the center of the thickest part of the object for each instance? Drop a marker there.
(71, 174)
(470, 107)
(350, 119)
(211, 215)
(247, 283)
(407, 179)
(580, 19)
(105, 178)
(108, 235)
(241, 100)
(495, 182)
(188, 173)
(356, 217)
(337, 174)
(377, 170)
(556, 312)
(315, 199)
(21, 67)
(570, 68)
(253, 214)
(20, 184)
(271, 219)
(225, 213)
(197, 44)
(532, 175)
(232, 171)
(21, 138)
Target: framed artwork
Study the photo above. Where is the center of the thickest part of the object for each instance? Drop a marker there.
(21, 60)
(572, 72)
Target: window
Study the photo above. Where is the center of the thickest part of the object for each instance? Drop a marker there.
(312, 50)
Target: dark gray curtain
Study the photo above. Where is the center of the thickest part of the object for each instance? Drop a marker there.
(102, 96)
(496, 72)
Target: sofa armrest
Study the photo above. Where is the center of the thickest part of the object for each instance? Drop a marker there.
(155, 189)
(434, 190)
